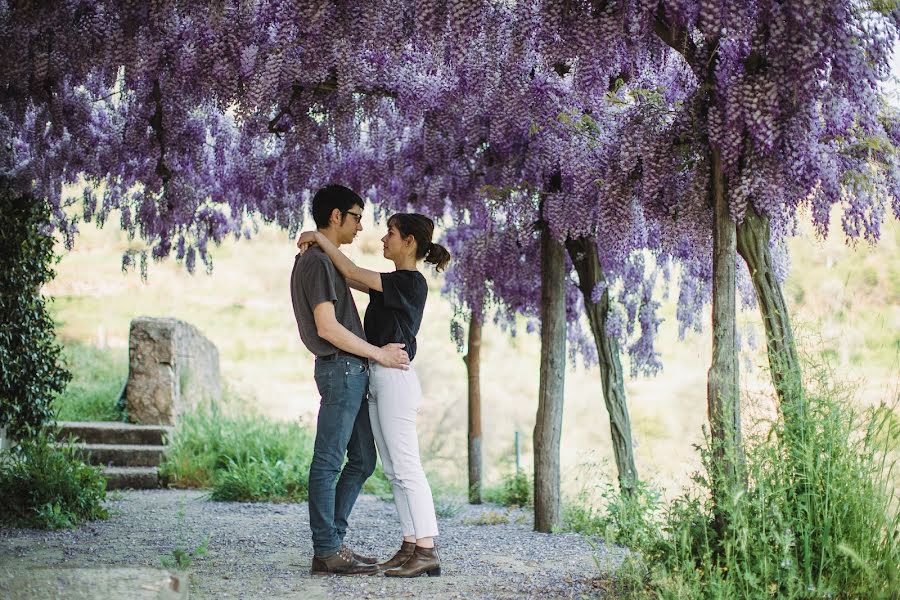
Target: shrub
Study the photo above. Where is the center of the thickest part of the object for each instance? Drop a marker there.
(30, 371)
(46, 485)
(514, 490)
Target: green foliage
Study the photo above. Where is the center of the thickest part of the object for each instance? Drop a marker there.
(30, 372)
(629, 519)
(241, 457)
(818, 518)
(46, 485)
(97, 380)
(514, 490)
(260, 479)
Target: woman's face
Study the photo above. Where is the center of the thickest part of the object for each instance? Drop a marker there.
(395, 246)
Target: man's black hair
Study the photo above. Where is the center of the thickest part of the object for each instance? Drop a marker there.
(333, 197)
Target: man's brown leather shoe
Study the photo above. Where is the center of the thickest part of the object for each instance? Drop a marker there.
(366, 560)
(341, 562)
(423, 560)
(403, 554)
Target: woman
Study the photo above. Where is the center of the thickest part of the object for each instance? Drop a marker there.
(396, 303)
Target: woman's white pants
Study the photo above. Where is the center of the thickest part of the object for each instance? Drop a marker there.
(394, 399)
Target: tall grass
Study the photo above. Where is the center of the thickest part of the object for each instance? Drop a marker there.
(240, 456)
(818, 518)
(97, 380)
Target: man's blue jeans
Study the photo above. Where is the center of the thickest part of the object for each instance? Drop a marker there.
(342, 427)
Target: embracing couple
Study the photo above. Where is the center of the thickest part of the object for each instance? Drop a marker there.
(370, 393)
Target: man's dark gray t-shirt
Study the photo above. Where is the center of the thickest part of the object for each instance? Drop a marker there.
(315, 280)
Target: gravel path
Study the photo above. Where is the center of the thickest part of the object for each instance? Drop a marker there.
(264, 550)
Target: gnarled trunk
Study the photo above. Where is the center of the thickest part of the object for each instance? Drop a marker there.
(583, 253)
(548, 427)
(753, 236)
(473, 368)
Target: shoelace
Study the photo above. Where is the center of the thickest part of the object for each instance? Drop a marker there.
(346, 554)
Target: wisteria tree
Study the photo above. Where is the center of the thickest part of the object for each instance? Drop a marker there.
(782, 117)
(194, 117)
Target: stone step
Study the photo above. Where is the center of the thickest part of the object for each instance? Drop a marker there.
(99, 432)
(121, 455)
(134, 478)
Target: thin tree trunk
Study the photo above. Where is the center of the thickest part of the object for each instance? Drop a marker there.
(723, 398)
(586, 259)
(473, 367)
(548, 427)
(753, 236)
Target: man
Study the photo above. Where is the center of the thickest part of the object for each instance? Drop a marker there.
(330, 328)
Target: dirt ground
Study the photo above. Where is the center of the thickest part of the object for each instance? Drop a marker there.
(264, 551)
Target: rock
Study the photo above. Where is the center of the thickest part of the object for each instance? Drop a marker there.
(171, 368)
(90, 583)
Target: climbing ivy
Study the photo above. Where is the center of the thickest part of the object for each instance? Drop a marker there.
(31, 373)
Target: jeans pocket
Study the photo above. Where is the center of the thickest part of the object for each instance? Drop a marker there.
(325, 384)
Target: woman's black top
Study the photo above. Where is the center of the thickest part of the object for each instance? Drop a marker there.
(395, 314)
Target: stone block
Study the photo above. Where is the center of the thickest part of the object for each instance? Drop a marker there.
(172, 367)
(83, 583)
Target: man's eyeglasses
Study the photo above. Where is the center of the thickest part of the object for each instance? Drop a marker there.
(356, 216)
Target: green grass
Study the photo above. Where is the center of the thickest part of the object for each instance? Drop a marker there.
(240, 457)
(818, 518)
(630, 521)
(97, 380)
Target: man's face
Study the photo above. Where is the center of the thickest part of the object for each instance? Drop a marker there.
(352, 224)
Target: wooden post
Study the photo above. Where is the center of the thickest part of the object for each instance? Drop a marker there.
(473, 367)
(548, 426)
(723, 390)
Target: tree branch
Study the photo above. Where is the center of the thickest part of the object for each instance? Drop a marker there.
(679, 40)
(156, 122)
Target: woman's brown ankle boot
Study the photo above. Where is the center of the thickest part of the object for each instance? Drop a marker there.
(424, 560)
(403, 554)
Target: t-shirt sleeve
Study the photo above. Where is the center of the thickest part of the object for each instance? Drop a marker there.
(318, 283)
(402, 291)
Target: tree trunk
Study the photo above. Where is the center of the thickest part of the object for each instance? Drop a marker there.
(723, 391)
(753, 236)
(473, 368)
(583, 253)
(548, 428)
